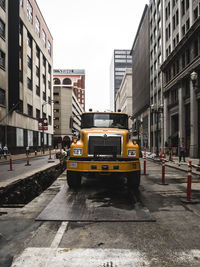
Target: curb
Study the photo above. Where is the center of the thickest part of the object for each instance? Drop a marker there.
(177, 168)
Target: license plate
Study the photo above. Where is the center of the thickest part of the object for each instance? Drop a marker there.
(73, 164)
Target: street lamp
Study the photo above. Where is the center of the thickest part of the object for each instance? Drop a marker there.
(157, 111)
(43, 104)
(194, 77)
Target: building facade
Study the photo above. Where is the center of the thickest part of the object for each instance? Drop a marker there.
(156, 25)
(69, 103)
(26, 68)
(120, 61)
(181, 70)
(140, 80)
(123, 99)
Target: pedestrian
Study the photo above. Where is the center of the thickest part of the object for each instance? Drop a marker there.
(1, 151)
(182, 151)
(5, 151)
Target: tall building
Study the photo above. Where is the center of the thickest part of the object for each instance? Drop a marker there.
(156, 24)
(181, 70)
(26, 52)
(120, 61)
(140, 80)
(123, 97)
(69, 103)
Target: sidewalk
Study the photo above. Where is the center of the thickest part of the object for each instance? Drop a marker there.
(182, 165)
(31, 155)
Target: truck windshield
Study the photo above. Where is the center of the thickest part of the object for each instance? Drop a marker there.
(104, 120)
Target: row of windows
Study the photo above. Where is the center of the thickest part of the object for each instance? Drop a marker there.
(66, 81)
(37, 26)
(189, 54)
(30, 113)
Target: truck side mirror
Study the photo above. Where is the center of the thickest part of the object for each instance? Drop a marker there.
(71, 122)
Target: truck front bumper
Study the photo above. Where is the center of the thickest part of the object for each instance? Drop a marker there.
(103, 166)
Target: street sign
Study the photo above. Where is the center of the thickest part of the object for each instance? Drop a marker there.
(42, 124)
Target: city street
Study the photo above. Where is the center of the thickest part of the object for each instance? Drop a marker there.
(83, 228)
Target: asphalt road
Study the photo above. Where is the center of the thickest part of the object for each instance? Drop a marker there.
(20, 168)
(171, 240)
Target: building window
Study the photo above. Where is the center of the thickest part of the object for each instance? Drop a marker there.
(37, 52)
(29, 40)
(49, 85)
(2, 29)
(56, 94)
(2, 97)
(187, 24)
(37, 90)
(44, 37)
(49, 48)
(50, 120)
(30, 110)
(37, 113)
(187, 4)
(29, 83)
(2, 4)
(49, 68)
(44, 96)
(29, 62)
(196, 13)
(29, 11)
(183, 7)
(56, 81)
(174, 22)
(44, 79)
(177, 17)
(37, 72)
(177, 38)
(37, 26)
(44, 61)
(2, 60)
(183, 30)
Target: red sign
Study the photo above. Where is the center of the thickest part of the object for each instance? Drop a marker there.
(42, 124)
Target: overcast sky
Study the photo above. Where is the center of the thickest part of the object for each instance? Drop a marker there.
(86, 32)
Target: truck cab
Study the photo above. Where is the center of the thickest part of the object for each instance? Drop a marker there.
(104, 148)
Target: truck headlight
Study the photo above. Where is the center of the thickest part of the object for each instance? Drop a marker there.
(77, 152)
(131, 152)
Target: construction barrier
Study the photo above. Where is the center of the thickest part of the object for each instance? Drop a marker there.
(50, 154)
(163, 170)
(27, 161)
(189, 181)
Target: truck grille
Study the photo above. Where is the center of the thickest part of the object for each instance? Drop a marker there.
(104, 145)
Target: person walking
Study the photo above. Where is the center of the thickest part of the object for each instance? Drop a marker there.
(5, 151)
(182, 151)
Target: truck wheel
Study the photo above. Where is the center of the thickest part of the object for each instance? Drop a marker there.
(73, 179)
(134, 179)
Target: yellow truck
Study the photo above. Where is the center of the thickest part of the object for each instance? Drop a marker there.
(103, 148)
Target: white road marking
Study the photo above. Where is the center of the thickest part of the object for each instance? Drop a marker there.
(59, 235)
(56, 257)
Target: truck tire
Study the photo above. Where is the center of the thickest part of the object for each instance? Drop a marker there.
(73, 179)
(134, 179)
